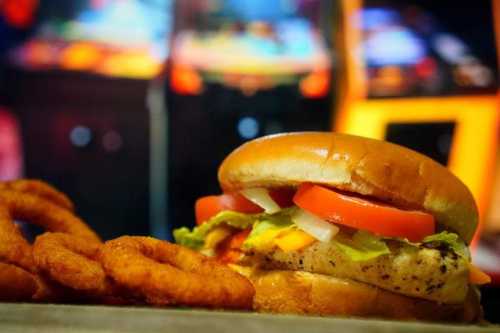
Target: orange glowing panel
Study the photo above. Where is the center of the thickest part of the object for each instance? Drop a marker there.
(185, 80)
(315, 85)
(350, 42)
(352, 80)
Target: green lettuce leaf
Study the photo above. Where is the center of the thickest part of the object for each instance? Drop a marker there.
(451, 240)
(362, 246)
(365, 246)
(196, 238)
(265, 230)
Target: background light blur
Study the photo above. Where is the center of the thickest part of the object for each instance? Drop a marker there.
(129, 106)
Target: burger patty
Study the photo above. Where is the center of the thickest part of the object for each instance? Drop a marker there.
(433, 274)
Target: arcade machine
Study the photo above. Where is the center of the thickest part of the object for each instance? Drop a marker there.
(79, 86)
(239, 70)
(424, 76)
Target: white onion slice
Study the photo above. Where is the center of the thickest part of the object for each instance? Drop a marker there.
(314, 226)
(261, 197)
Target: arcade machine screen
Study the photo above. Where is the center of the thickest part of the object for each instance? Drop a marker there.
(86, 69)
(251, 45)
(419, 48)
(126, 38)
(239, 70)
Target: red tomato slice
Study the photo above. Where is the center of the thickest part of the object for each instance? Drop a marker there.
(364, 214)
(208, 206)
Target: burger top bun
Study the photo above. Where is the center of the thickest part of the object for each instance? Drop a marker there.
(378, 169)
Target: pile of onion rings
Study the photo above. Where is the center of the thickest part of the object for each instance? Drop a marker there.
(33, 202)
(69, 263)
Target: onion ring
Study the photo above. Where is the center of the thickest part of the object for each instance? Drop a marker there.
(48, 291)
(35, 210)
(40, 189)
(16, 284)
(71, 261)
(18, 252)
(14, 248)
(165, 273)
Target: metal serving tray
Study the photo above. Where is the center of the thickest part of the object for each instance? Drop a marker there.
(77, 318)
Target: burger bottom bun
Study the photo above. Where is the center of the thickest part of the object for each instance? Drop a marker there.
(297, 292)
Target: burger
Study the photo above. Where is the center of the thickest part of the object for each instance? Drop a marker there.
(334, 224)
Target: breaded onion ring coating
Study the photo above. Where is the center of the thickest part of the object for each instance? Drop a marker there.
(72, 261)
(165, 273)
(16, 284)
(40, 189)
(14, 248)
(35, 210)
(49, 292)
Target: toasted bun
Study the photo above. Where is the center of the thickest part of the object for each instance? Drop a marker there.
(374, 168)
(307, 293)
